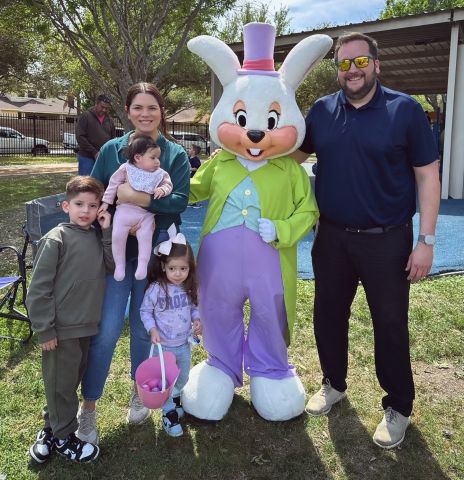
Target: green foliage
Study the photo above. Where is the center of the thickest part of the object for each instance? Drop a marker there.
(246, 12)
(400, 8)
(89, 46)
(321, 81)
(428, 101)
(19, 45)
(191, 76)
(185, 98)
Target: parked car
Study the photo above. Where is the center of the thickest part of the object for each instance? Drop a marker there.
(69, 139)
(12, 141)
(187, 139)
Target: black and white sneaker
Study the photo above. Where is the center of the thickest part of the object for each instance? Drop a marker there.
(43, 446)
(171, 424)
(179, 408)
(77, 450)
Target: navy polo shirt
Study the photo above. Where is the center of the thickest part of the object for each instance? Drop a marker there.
(365, 157)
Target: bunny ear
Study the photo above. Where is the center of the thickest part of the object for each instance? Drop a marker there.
(303, 57)
(219, 57)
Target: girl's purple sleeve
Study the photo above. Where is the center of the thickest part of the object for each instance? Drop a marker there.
(194, 312)
(147, 310)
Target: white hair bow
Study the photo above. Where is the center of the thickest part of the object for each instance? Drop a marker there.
(164, 248)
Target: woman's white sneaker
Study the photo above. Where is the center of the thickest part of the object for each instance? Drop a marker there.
(87, 430)
(137, 413)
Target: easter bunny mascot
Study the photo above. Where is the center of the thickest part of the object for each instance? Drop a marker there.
(260, 205)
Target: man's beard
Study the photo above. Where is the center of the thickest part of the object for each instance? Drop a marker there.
(363, 91)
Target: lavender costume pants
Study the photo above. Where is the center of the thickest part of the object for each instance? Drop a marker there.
(235, 265)
(125, 217)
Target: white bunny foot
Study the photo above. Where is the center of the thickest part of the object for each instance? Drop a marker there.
(208, 393)
(277, 400)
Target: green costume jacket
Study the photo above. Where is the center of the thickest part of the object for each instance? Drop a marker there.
(285, 195)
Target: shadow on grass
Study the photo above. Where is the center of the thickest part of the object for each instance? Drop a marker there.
(245, 446)
(128, 452)
(360, 458)
(242, 446)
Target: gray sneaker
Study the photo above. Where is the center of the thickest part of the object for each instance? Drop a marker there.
(137, 413)
(87, 430)
(391, 430)
(321, 402)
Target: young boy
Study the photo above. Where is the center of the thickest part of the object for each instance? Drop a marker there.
(195, 164)
(64, 303)
(194, 160)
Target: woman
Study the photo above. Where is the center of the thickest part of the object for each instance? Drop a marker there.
(145, 109)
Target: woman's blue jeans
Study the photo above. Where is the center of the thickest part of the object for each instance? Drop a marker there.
(112, 321)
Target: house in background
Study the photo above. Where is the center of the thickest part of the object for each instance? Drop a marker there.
(43, 108)
(47, 118)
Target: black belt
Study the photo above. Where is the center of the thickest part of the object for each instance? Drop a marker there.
(373, 230)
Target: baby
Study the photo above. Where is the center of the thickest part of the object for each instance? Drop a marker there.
(144, 174)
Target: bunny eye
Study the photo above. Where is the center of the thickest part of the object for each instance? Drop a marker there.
(272, 120)
(241, 118)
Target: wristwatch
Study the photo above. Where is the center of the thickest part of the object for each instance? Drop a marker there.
(427, 239)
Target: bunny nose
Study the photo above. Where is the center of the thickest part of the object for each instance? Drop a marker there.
(255, 135)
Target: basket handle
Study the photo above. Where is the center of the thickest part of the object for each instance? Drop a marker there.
(161, 357)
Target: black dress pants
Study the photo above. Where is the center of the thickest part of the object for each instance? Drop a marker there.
(340, 260)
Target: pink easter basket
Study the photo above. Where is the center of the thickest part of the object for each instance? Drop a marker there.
(155, 378)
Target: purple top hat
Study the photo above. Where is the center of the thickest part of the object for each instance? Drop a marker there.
(258, 41)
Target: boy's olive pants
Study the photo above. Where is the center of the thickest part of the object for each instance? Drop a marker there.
(62, 371)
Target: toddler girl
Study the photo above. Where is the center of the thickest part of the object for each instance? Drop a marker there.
(169, 312)
(143, 172)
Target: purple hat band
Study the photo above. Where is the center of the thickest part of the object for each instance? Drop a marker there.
(258, 41)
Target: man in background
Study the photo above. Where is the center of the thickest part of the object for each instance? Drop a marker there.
(94, 128)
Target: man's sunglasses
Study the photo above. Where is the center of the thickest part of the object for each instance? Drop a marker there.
(359, 62)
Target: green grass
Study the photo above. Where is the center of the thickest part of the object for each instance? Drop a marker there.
(31, 160)
(244, 446)
(16, 190)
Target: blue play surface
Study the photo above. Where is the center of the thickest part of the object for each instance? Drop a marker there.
(449, 248)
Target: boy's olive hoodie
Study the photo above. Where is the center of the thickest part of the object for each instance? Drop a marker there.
(65, 296)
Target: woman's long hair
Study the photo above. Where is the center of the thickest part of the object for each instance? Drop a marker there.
(157, 274)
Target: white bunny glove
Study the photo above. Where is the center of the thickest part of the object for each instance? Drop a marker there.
(267, 230)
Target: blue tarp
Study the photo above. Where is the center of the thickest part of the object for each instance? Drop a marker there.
(449, 248)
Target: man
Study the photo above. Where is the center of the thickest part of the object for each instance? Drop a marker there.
(94, 128)
(373, 146)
